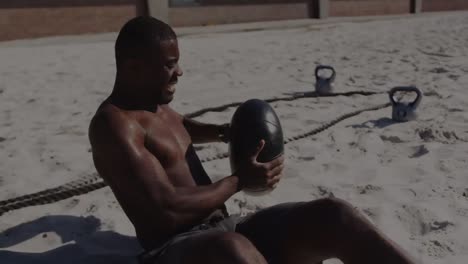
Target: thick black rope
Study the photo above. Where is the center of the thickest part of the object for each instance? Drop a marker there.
(292, 97)
(312, 132)
(94, 182)
(53, 197)
(67, 186)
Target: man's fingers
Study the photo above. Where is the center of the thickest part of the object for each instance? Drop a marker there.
(274, 181)
(258, 150)
(275, 163)
(275, 171)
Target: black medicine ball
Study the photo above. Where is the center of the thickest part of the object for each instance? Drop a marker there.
(253, 121)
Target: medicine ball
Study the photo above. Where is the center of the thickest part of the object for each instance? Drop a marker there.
(253, 121)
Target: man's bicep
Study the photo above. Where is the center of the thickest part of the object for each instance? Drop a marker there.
(123, 159)
(148, 170)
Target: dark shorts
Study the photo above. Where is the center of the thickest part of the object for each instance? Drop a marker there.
(263, 228)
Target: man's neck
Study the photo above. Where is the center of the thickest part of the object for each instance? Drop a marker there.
(129, 101)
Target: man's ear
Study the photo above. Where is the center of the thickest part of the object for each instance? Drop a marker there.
(133, 65)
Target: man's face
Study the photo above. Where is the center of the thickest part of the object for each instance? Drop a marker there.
(163, 71)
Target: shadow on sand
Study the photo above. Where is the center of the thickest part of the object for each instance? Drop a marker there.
(86, 244)
(380, 123)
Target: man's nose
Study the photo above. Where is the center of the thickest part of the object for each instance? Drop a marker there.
(179, 71)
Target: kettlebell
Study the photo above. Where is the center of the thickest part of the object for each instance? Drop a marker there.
(404, 111)
(323, 85)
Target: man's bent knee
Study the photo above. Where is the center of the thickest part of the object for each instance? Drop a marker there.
(332, 212)
(232, 242)
(235, 246)
(337, 206)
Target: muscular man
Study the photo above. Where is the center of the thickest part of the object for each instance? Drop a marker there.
(143, 149)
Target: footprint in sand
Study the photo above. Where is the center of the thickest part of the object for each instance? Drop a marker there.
(412, 218)
(72, 203)
(324, 191)
(306, 158)
(465, 193)
(372, 213)
(113, 205)
(440, 226)
(438, 70)
(462, 212)
(454, 77)
(418, 152)
(92, 209)
(368, 189)
(392, 139)
(430, 135)
(438, 249)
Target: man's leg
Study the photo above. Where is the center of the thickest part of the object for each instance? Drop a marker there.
(212, 248)
(311, 232)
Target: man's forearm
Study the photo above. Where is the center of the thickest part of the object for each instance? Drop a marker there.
(202, 133)
(193, 204)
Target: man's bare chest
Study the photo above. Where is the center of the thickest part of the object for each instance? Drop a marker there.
(167, 140)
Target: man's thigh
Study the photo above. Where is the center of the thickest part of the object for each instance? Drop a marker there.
(190, 250)
(267, 228)
(190, 244)
(211, 247)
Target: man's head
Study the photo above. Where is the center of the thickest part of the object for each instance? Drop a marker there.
(147, 56)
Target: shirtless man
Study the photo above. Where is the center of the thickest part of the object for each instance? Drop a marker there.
(143, 149)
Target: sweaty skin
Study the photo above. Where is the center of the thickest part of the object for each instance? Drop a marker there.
(139, 147)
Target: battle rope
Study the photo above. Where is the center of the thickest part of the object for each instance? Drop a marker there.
(68, 186)
(293, 97)
(312, 132)
(94, 182)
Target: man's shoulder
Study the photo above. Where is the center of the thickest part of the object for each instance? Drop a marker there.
(110, 122)
(109, 117)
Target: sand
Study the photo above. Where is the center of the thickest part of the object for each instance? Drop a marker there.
(409, 178)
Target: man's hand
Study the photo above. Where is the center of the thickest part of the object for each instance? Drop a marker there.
(253, 174)
(224, 132)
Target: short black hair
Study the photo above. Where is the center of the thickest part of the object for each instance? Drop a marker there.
(139, 35)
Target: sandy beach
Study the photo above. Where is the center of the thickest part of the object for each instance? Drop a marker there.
(410, 179)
